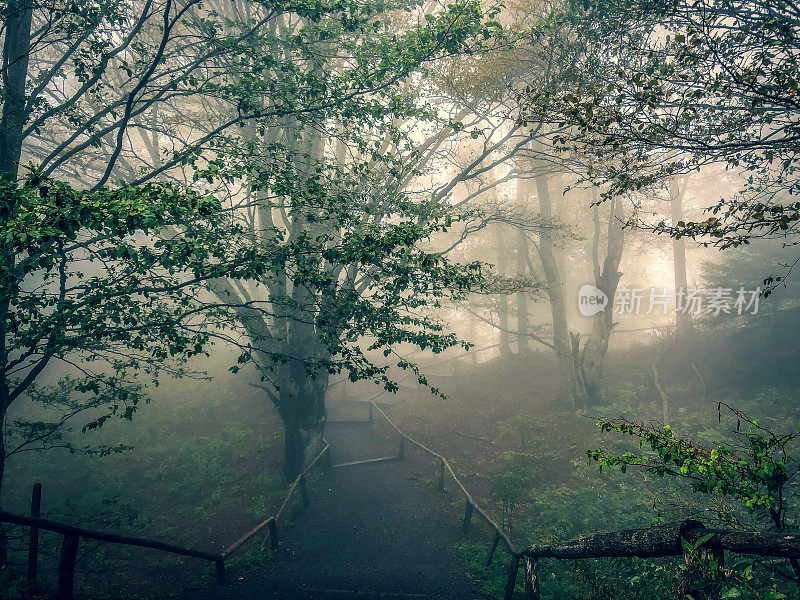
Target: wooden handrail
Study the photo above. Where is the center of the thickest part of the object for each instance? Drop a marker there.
(114, 538)
(73, 534)
(271, 522)
(297, 480)
(238, 543)
(773, 544)
(652, 542)
(649, 542)
(469, 499)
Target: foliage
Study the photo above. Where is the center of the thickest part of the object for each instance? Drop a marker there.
(131, 61)
(94, 287)
(493, 577)
(671, 86)
(194, 92)
(748, 266)
(757, 471)
(574, 580)
(569, 498)
(704, 575)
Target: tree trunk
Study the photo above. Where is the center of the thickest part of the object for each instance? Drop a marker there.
(594, 351)
(683, 320)
(557, 294)
(521, 269)
(3, 540)
(648, 542)
(16, 51)
(301, 405)
(502, 301)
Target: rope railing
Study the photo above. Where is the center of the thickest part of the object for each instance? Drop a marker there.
(470, 504)
(271, 522)
(72, 535)
(649, 542)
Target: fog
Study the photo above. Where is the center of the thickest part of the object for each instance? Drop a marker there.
(326, 300)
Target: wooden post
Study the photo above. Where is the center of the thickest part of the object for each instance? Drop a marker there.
(66, 567)
(220, 568)
(531, 578)
(713, 554)
(467, 515)
(441, 476)
(698, 562)
(33, 543)
(718, 556)
(371, 417)
(490, 556)
(511, 582)
(706, 556)
(304, 492)
(327, 463)
(273, 534)
(401, 450)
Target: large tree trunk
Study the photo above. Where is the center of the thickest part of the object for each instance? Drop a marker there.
(556, 293)
(301, 405)
(302, 387)
(683, 319)
(16, 50)
(3, 541)
(594, 351)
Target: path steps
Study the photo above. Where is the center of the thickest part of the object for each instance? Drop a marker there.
(371, 533)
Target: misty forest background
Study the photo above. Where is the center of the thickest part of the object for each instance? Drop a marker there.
(224, 221)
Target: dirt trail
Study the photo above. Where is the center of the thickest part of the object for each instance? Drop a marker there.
(370, 533)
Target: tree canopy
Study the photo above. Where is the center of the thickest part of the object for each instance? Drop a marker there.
(671, 86)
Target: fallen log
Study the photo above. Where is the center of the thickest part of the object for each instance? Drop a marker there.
(785, 545)
(651, 542)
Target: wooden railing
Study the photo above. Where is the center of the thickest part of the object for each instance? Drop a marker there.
(271, 522)
(470, 505)
(649, 542)
(72, 535)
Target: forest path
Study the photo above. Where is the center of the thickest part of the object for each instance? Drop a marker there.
(370, 533)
